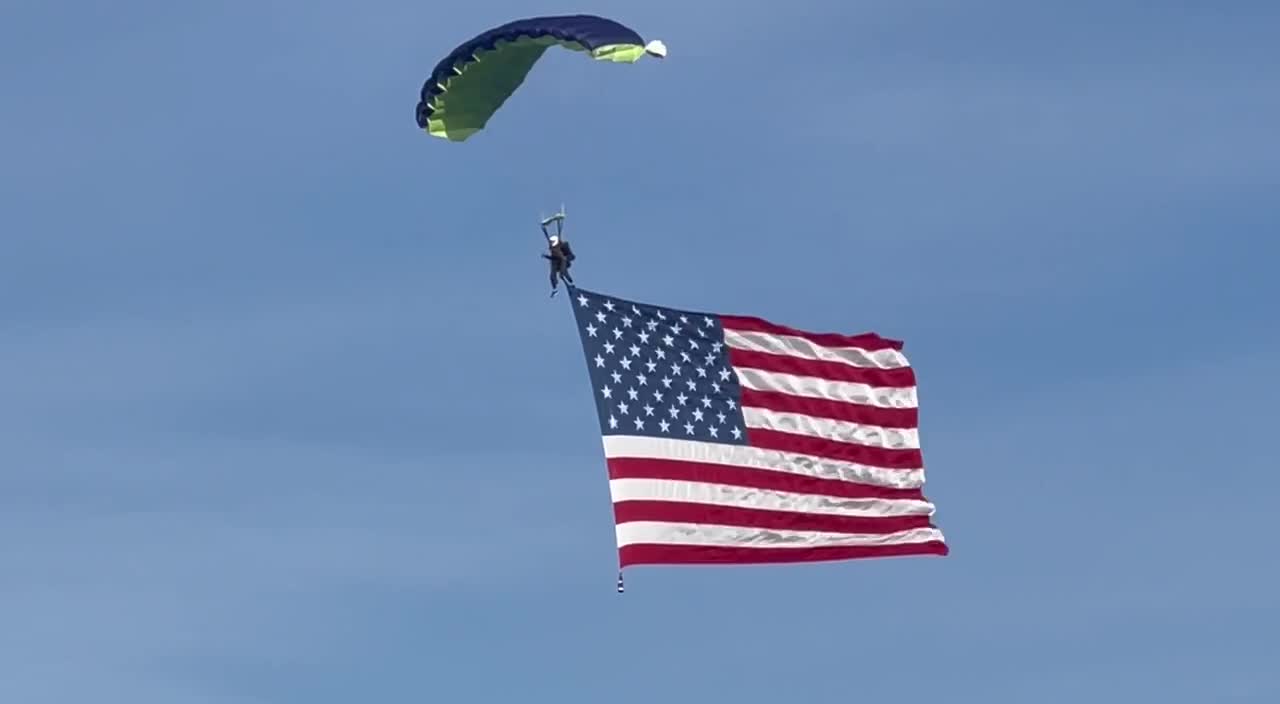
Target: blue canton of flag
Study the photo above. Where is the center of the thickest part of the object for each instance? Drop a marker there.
(659, 372)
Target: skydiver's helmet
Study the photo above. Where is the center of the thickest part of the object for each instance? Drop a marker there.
(553, 240)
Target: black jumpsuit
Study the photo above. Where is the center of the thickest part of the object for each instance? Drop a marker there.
(561, 259)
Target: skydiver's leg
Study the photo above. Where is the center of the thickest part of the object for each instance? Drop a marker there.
(564, 264)
(554, 280)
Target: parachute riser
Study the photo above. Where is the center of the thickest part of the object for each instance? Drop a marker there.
(558, 219)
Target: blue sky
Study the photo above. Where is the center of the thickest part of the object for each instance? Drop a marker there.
(251, 439)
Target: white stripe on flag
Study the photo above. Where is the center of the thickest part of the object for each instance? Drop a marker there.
(815, 387)
(763, 499)
(757, 458)
(792, 346)
(826, 428)
(730, 536)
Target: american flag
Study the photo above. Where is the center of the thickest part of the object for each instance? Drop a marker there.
(733, 440)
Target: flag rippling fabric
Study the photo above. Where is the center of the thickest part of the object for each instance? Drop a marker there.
(734, 440)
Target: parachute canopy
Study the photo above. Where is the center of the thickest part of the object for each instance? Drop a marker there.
(470, 84)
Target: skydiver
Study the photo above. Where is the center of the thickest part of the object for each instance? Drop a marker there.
(561, 258)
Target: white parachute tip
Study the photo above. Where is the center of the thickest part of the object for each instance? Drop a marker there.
(656, 48)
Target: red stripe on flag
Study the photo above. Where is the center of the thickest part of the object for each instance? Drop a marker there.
(751, 478)
(902, 377)
(649, 554)
(831, 449)
(766, 519)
